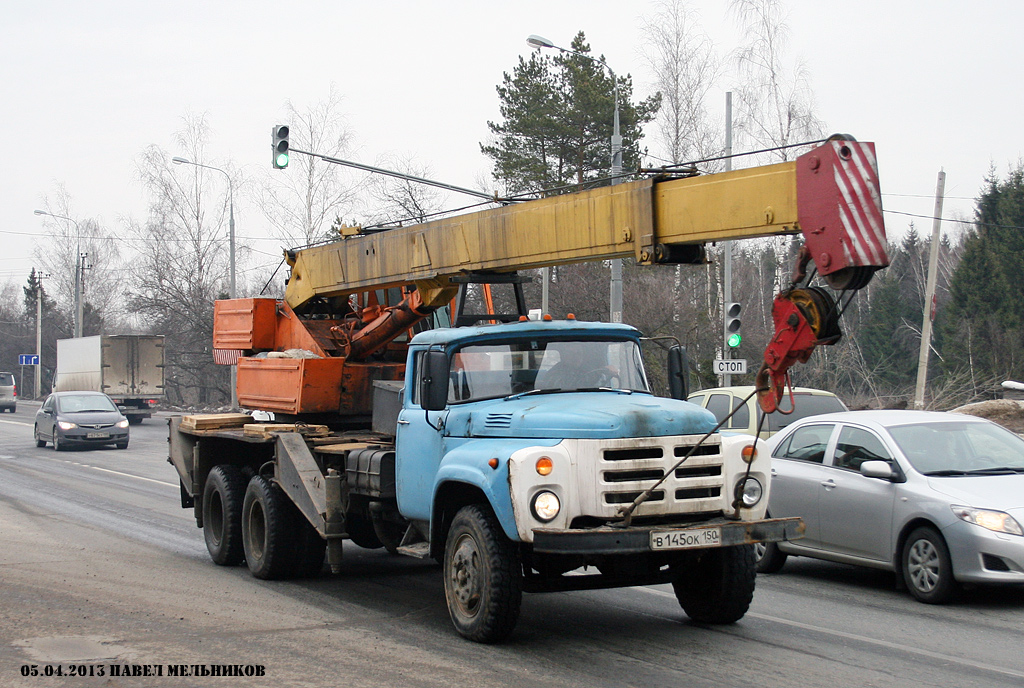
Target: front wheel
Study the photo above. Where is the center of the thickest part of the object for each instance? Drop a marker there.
(716, 586)
(483, 577)
(57, 444)
(927, 567)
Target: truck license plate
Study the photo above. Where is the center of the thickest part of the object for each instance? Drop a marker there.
(97, 435)
(688, 538)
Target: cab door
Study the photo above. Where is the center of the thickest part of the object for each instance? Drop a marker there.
(419, 446)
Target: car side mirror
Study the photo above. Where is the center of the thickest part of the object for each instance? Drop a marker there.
(678, 373)
(876, 469)
(434, 381)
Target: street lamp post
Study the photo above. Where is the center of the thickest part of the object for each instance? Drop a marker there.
(231, 255)
(231, 218)
(79, 305)
(535, 41)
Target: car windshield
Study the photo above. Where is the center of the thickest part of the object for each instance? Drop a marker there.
(6, 379)
(960, 448)
(84, 403)
(545, 365)
(806, 405)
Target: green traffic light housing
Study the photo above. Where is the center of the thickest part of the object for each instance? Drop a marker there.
(733, 337)
(279, 136)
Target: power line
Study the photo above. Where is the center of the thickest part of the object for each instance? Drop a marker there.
(948, 219)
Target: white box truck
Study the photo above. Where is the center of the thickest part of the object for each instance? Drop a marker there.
(129, 368)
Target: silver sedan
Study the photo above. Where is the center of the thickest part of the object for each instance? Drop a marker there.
(936, 497)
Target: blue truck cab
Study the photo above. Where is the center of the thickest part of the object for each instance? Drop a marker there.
(529, 450)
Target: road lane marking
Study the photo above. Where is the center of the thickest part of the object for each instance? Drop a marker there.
(871, 641)
(16, 422)
(127, 475)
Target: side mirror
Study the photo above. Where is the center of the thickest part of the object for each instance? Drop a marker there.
(876, 469)
(678, 373)
(434, 381)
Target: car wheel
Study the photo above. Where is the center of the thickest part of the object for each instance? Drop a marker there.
(57, 444)
(121, 445)
(35, 433)
(927, 568)
(769, 557)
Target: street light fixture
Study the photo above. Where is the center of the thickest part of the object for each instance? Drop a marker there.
(78, 270)
(539, 42)
(231, 254)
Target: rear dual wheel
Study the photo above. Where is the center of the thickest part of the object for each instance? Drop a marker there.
(223, 497)
(278, 541)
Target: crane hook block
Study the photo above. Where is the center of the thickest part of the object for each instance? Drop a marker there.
(804, 319)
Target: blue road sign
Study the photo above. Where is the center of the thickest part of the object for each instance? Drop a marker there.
(28, 359)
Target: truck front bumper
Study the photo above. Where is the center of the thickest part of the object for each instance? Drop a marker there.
(639, 539)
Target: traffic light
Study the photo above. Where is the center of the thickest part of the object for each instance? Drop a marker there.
(733, 337)
(280, 145)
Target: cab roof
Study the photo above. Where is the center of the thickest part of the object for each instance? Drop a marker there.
(451, 335)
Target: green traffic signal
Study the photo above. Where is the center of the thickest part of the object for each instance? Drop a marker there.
(734, 340)
(279, 142)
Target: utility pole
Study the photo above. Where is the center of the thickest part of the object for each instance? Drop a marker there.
(39, 334)
(929, 297)
(727, 246)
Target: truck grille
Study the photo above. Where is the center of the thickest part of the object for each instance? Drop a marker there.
(695, 487)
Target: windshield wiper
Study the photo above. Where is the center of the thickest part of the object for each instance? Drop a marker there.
(530, 392)
(945, 473)
(996, 470)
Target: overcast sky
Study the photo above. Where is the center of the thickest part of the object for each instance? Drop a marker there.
(88, 85)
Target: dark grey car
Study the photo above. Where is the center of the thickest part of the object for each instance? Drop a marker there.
(80, 418)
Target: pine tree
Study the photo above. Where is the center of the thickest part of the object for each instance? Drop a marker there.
(557, 122)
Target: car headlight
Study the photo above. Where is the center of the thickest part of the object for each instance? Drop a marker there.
(64, 425)
(122, 423)
(750, 492)
(545, 506)
(999, 521)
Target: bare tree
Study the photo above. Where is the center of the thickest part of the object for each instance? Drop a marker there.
(686, 66)
(401, 200)
(58, 255)
(303, 201)
(182, 266)
(775, 104)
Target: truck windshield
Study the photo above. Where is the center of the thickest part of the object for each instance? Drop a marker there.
(551, 365)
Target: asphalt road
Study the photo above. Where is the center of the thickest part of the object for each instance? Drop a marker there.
(100, 566)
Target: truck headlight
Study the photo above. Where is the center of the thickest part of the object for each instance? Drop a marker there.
(64, 425)
(750, 491)
(999, 521)
(545, 506)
